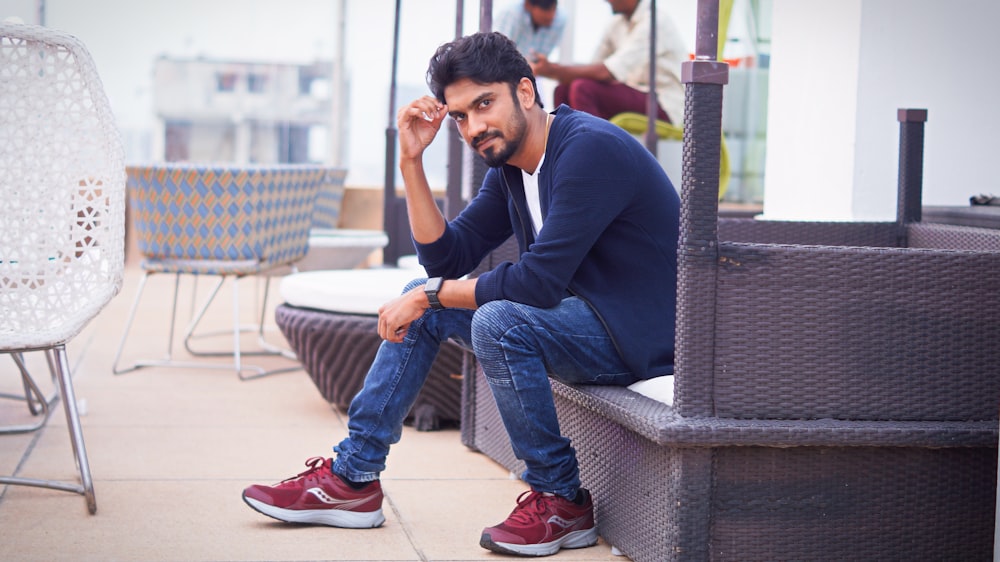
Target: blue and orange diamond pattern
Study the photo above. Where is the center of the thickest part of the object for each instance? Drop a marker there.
(224, 219)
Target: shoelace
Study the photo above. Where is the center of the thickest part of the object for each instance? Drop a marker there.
(529, 508)
(314, 464)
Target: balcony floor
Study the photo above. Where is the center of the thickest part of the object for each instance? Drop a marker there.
(172, 449)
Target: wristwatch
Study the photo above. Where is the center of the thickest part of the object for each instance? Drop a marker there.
(431, 290)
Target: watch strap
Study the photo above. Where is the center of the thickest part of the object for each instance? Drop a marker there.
(431, 290)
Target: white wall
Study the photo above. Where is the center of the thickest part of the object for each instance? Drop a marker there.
(839, 71)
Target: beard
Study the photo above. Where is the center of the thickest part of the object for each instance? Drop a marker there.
(498, 154)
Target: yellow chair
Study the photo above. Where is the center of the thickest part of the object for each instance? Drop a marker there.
(636, 123)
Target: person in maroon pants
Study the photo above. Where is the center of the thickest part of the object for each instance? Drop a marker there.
(618, 79)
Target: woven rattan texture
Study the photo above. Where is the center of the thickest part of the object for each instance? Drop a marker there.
(62, 176)
(810, 233)
(887, 504)
(835, 388)
(782, 503)
(660, 423)
(696, 247)
(488, 434)
(337, 350)
(800, 331)
(949, 237)
(223, 219)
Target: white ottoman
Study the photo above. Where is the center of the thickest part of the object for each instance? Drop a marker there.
(330, 319)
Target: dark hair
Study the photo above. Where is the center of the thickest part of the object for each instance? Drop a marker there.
(543, 4)
(484, 58)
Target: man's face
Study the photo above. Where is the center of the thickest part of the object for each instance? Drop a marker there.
(623, 6)
(489, 117)
(540, 17)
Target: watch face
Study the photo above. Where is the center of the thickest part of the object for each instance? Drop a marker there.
(431, 290)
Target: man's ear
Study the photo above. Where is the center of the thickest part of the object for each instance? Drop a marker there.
(526, 93)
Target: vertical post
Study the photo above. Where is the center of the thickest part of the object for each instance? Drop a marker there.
(911, 165)
(477, 164)
(707, 39)
(453, 190)
(697, 252)
(996, 521)
(485, 15)
(453, 203)
(390, 207)
(651, 102)
(335, 156)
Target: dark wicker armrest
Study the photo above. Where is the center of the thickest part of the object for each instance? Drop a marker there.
(661, 424)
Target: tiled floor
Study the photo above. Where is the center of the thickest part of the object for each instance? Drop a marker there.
(172, 449)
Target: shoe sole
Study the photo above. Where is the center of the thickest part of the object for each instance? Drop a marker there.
(329, 517)
(577, 539)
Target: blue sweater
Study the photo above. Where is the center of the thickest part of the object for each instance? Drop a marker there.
(611, 221)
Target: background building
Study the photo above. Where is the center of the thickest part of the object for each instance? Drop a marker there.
(241, 112)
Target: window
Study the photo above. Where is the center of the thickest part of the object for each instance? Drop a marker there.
(226, 81)
(256, 82)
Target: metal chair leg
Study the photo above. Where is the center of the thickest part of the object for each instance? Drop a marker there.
(128, 328)
(39, 405)
(245, 372)
(64, 378)
(266, 348)
(75, 430)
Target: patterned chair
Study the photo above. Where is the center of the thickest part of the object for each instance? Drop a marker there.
(226, 221)
(332, 247)
(62, 177)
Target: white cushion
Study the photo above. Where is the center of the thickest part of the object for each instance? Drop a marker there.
(354, 291)
(340, 237)
(409, 262)
(660, 389)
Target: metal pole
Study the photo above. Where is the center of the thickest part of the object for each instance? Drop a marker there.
(707, 40)
(911, 165)
(390, 219)
(651, 104)
(453, 190)
(337, 91)
(485, 15)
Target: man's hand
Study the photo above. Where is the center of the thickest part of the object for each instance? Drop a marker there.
(418, 124)
(541, 66)
(563, 73)
(395, 316)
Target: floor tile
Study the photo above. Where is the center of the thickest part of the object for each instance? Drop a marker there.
(172, 449)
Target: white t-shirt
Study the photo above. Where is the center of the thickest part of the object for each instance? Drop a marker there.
(531, 193)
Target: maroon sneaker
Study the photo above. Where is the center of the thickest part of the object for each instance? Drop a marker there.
(319, 496)
(541, 524)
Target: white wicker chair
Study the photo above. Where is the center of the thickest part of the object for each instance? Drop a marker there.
(62, 231)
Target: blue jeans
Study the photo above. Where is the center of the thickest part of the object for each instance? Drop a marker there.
(517, 346)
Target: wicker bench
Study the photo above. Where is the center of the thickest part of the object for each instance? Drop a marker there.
(835, 393)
